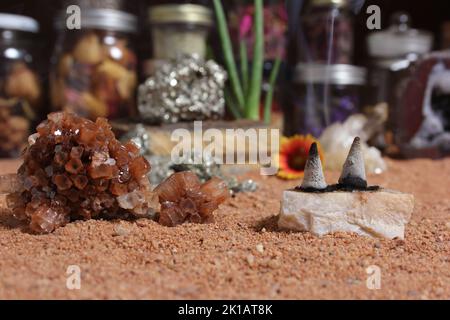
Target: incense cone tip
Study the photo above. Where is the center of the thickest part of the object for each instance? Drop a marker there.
(313, 151)
(313, 176)
(354, 173)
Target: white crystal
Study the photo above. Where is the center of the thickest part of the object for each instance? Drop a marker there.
(32, 138)
(130, 200)
(338, 137)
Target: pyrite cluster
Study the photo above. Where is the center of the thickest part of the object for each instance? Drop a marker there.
(186, 89)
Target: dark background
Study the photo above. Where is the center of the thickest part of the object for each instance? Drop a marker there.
(427, 15)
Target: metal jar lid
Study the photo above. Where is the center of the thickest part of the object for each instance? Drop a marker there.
(182, 13)
(399, 39)
(336, 74)
(337, 3)
(18, 22)
(104, 19)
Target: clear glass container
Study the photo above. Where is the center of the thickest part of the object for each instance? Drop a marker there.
(20, 86)
(394, 55)
(94, 68)
(178, 29)
(392, 52)
(322, 95)
(327, 32)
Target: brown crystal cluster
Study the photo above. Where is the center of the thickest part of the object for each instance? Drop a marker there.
(75, 169)
(184, 198)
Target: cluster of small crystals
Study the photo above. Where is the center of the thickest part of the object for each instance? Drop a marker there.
(163, 167)
(184, 198)
(183, 90)
(75, 169)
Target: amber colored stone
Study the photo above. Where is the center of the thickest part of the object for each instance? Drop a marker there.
(76, 152)
(171, 214)
(80, 181)
(121, 155)
(139, 167)
(61, 158)
(74, 166)
(74, 169)
(87, 135)
(184, 198)
(19, 213)
(118, 188)
(101, 171)
(101, 184)
(62, 181)
(132, 184)
(132, 148)
(72, 195)
(216, 189)
(46, 219)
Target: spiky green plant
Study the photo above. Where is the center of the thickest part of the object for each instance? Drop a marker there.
(244, 95)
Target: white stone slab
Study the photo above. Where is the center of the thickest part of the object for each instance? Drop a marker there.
(377, 214)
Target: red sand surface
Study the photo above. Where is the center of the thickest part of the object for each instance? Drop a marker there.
(243, 255)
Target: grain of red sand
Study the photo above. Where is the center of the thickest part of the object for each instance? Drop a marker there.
(143, 260)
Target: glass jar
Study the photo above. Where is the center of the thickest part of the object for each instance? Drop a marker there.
(20, 87)
(327, 32)
(178, 29)
(94, 68)
(394, 54)
(323, 95)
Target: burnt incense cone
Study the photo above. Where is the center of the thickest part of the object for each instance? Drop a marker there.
(354, 172)
(349, 206)
(313, 177)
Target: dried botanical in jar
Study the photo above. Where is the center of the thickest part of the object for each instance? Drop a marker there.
(184, 198)
(95, 70)
(20, 88)
(75, 168)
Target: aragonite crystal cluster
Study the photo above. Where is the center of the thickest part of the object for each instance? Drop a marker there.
(184, 198)
(349, 206)
(76, 169)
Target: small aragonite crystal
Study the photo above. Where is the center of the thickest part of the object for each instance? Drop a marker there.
(75, 168)
(184, 198)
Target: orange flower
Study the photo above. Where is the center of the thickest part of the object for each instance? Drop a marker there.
(293, 155)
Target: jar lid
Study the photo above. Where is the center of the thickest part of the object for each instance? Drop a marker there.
(338, 74)
(105, 19)
(337, 3)
(18, 22)
(180, 13)
(399, 39)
